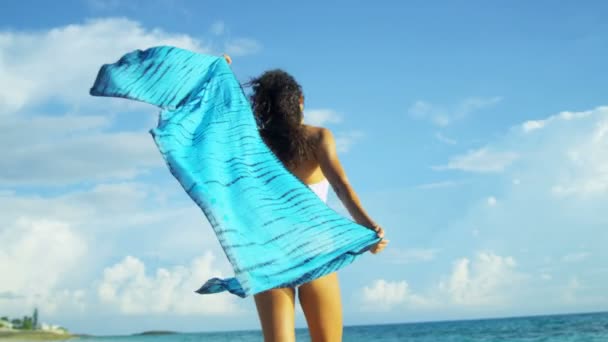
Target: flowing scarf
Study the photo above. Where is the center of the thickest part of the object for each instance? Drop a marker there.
(273, 228)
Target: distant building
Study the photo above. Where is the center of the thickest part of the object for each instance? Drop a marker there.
(5, 325)
(53, 328)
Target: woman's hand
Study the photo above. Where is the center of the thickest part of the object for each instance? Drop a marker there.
(378, 247)
(375, 227)
(227, 58)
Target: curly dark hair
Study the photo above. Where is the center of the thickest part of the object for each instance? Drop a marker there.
(276, 105)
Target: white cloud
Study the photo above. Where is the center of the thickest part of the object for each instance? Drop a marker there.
(37, 253)
(441, 115)
(576, 257)
(491, 201)
(71, 149)
(532, 125)
(425, 110)
(556, 206)
(321, 117)
(61, 64)
(106, 209)
(482, 160)
(36, 256)
(128, 288)
(20, 130)
(345, 140)
(384, 295)
(46, 241)
(242, 47)
(587, 162)
(527, 224)
(486, 280)
(472, 104)
(439, 136)
(111, 214)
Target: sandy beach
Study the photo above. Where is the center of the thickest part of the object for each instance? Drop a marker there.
(35, 336)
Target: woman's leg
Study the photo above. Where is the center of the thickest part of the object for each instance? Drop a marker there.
(322, 306)
(276, 312)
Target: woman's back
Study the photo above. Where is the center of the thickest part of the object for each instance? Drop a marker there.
(309, 171)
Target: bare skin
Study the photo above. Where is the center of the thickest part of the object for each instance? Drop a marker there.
(320, 299)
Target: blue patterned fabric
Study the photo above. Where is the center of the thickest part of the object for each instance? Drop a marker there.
(274, 230)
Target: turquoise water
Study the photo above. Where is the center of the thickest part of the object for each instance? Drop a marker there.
(558, 328)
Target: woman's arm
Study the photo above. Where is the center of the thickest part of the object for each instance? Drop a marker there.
(331, 167)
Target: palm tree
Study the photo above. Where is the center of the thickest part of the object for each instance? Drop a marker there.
(35, 319)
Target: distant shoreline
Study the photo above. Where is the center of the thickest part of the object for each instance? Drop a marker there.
(35, 335)
(157, 332)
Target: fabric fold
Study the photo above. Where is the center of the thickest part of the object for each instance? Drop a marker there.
(273, 229)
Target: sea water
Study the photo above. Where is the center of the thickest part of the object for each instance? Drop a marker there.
(556, 328)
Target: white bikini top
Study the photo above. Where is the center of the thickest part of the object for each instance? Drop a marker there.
(321, 189)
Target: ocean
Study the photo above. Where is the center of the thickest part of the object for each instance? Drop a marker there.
(590, 327)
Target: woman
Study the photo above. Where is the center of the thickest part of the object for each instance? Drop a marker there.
(310, 154)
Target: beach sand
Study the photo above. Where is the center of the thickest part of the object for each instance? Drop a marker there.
(35, 336)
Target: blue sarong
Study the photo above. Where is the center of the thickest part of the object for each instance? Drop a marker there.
(274, 230)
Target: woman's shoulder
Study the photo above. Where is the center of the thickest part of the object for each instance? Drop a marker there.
(320, 137)
(317, 132)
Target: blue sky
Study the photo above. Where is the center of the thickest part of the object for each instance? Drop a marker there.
(476, 133)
